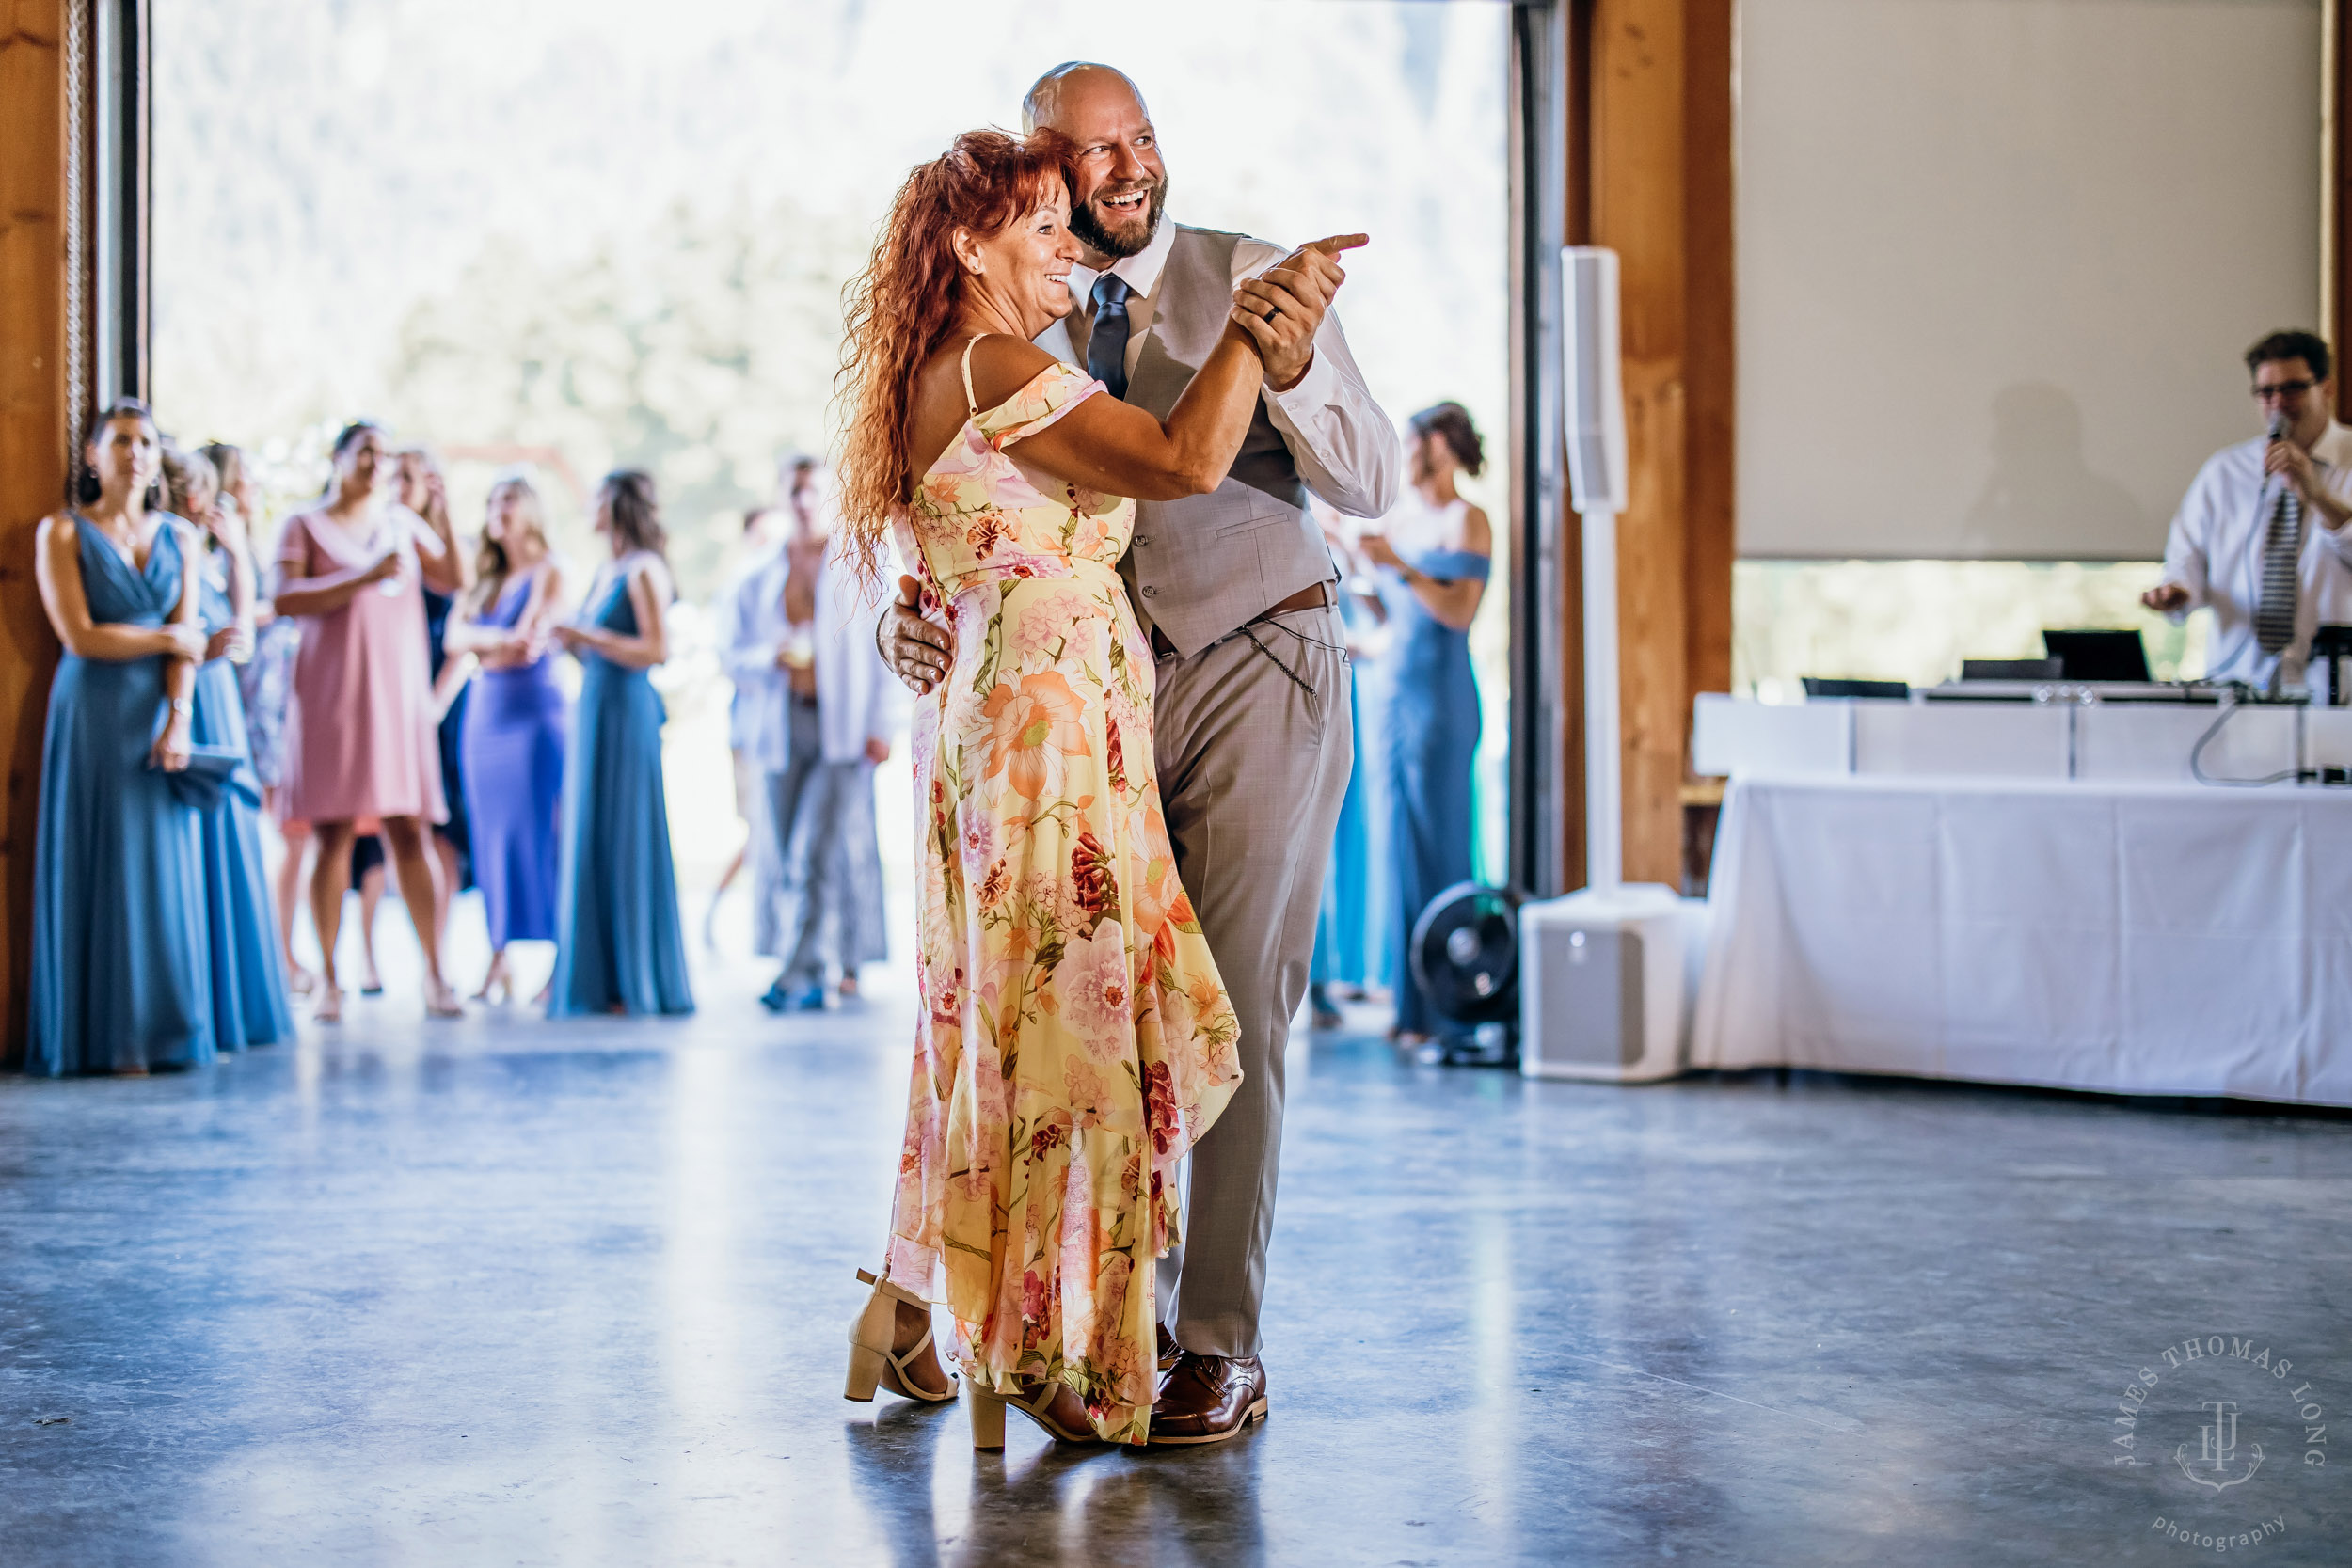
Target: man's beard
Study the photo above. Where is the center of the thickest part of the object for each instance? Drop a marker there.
(1095, 237)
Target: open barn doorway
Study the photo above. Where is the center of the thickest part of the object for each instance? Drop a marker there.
(552, 238)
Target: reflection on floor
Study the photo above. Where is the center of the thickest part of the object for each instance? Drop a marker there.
(508, 1292)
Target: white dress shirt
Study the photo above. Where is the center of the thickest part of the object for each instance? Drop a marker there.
(2216, 552)
(738, 653)
(857, 700)
(1345, 448)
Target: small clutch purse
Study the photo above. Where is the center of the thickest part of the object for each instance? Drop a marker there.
(212, 773)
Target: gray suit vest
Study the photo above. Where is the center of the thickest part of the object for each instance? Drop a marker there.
(1205, 565)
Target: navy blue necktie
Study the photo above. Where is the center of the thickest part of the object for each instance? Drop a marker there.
(1106, 344)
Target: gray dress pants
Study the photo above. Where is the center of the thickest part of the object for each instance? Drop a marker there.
(816, 871)
(1254, 744)
(806, 803)
(772, 834)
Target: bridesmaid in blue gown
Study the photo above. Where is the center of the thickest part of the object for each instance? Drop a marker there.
(1342, 960)
(119, 981)
(423, 490)
(1433, 551)
(622, 947)
(241, 924)
(516, 723)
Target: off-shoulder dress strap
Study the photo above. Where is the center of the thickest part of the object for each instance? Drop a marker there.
(1452, 566)
(1053, 393)
(971, 404)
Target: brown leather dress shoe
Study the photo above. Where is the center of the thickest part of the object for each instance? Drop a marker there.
(1207, 1398)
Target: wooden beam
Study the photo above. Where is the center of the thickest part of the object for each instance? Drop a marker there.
(2335, 197)
(1653, 173)
(34, 424)
(1709, 340)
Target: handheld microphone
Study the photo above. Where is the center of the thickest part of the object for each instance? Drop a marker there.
(2277, 432)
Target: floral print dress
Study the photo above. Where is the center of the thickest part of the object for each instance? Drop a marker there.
(1074, 1039)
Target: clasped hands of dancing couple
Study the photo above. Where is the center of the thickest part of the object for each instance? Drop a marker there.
(1077, 1038)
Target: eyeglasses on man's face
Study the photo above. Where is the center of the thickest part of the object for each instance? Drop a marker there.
(2278, 390)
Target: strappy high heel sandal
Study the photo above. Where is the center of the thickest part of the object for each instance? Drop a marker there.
(872, 1362)
(988, 1416)
(498, 985)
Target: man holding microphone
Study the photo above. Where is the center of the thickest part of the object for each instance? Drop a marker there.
(2260, 536)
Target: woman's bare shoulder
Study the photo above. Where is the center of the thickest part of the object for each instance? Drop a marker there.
(1002, 364)
(1477, 535)
(653, 572)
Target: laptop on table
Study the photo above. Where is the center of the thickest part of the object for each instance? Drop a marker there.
(2097, 656)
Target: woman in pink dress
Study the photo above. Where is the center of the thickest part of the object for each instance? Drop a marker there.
(361, 743)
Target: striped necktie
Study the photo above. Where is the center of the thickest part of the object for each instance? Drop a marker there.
(2282, 573)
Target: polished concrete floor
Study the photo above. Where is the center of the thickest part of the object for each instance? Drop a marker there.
(503, 1291)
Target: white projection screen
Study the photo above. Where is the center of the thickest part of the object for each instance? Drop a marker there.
(1998, 259)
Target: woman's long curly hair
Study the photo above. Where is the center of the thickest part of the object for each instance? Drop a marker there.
(900, 308)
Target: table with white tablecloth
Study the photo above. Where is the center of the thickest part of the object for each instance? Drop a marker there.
(2141, 937)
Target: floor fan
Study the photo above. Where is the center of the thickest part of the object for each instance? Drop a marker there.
(1465, 955)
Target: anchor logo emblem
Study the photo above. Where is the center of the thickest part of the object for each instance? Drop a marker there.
(2217, 1449)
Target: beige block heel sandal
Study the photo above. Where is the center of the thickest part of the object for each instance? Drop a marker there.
(872, 1362)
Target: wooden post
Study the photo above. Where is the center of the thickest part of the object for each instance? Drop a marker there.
(1709, 345)
(2335, 196)
(35, 420)
(1650, 178)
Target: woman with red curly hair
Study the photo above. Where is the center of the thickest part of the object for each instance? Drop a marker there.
(1074, 1037)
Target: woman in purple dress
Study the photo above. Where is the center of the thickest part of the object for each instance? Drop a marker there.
(516, 726)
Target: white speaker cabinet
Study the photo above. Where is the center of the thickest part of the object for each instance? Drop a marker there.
(1601, 980)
